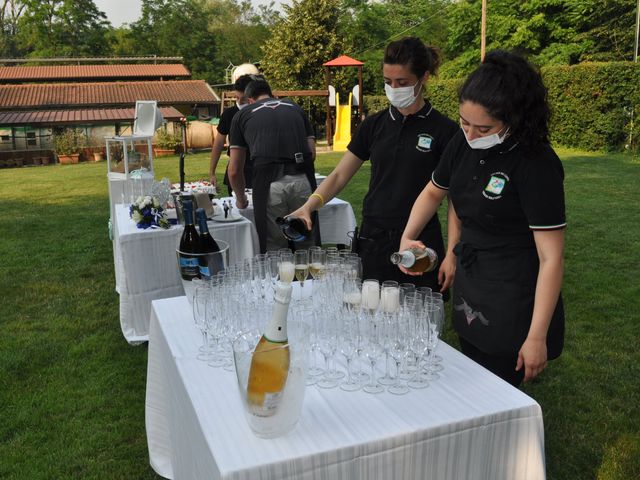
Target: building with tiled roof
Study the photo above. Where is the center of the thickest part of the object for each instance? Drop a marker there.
(38, 101)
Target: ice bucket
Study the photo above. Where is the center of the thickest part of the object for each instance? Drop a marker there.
(288, 408)
(209, 265)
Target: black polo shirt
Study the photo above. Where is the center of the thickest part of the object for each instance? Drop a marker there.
(403, 151)
(224, 127)
(504, 193)
(274, 130)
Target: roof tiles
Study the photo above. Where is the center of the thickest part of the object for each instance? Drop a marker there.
(108, 115)
(67, 95)
(71, 72)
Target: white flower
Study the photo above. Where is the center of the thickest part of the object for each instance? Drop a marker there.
(137, 216)
(147, 201)
(156, 202)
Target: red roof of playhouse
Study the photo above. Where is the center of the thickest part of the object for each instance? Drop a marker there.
(343, 61)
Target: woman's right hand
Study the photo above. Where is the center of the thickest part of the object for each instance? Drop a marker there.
(406, 244)
(303, 213)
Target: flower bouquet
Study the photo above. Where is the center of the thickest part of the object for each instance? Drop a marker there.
(147, 212)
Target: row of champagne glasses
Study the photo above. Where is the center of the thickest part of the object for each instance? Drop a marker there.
(367, 335)
(374, 327)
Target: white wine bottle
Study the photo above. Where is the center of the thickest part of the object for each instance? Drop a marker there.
(270, 363)
(416, 260)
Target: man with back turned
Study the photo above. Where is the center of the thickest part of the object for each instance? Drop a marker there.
(282, 145)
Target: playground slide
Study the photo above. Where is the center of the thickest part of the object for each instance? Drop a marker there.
(342, 135)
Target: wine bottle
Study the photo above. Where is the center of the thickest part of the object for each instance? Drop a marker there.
(293, 228)
(270, 363)
(210, 264)
(416, 260)
(189, 245)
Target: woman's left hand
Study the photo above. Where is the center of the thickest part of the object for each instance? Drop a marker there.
(447, 272)
(533, 357)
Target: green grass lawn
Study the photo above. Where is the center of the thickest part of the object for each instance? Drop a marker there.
(72, 390)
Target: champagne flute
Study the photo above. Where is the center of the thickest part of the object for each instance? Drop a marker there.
(286, 268)
(318, 263)
(301, 260)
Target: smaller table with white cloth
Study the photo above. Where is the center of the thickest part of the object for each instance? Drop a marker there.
(146, 267)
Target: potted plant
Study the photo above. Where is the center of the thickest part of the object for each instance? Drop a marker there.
(166, 143)
(97, 148)
(68, 144)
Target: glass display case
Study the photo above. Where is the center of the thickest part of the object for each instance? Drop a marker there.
(130, 153)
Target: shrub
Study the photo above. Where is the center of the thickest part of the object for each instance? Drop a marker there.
(591, 103)
(166, 140)
(69, 141)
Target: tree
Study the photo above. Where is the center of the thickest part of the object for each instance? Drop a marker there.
(301, 42)
(10, 13)
(62, 28)
(240, 32)
(177, 28)
(550, 32)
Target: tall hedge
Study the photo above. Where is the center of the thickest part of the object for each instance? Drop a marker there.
(591, 103)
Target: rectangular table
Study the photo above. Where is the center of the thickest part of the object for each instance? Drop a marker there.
(467, 425)
(336, 220)
(146, 266)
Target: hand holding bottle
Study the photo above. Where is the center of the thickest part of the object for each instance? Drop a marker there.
(304, 214)
(407, 244)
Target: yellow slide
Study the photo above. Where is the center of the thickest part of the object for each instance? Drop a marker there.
(342, 135)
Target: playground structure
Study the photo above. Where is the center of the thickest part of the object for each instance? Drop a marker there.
(341, 112)
(342, 135)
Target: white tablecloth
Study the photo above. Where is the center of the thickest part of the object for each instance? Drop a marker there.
(336, 220)
(468, 425)
(146, 266)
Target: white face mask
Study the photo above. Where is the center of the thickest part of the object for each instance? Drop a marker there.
(484, 143)
(401, 97)
(241, 105)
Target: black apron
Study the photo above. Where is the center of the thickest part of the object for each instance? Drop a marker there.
(263, 175)
(493, 296)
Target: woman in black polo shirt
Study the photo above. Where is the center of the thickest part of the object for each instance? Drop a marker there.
(404, 144)
(506, 184)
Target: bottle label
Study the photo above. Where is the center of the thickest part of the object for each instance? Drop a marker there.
(204, 271)
(189, 266)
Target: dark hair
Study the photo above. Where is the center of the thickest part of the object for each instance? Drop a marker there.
(413, 52)
(241, 83)
(512, 91)
(257, 87)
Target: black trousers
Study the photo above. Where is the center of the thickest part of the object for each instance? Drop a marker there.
(503, 367)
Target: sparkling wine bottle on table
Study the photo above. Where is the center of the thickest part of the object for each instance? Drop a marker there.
(211, 264)
(416, 260)
(189, 245)
(270, 361)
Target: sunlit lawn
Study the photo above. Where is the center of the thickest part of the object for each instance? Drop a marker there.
(72, 390)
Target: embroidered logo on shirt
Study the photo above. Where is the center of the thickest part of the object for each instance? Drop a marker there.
(497, 182)
(424, 142)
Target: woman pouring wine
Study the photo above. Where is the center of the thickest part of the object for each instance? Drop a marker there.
(506, 184)
(404, 144)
